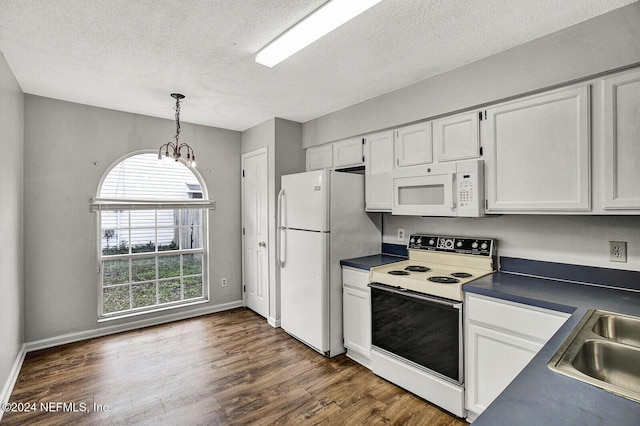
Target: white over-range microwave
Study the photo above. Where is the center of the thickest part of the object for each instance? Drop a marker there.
(442, 189)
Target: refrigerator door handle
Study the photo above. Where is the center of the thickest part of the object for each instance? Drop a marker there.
(280, 246)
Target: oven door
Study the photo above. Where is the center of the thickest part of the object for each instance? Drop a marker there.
(423, 330)
(424, 191)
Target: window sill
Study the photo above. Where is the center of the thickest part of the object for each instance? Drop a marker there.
(112, 317)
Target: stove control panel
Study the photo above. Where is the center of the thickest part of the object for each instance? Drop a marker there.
(459, 245)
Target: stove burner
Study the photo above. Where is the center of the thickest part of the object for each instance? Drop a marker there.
(417, 268)
(443, 280)
(461, 275)
(398, 273)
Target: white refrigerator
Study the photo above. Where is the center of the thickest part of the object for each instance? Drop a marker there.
(320, 220)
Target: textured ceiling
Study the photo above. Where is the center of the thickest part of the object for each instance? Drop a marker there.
(130, 55)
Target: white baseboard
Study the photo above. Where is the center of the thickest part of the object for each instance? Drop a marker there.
(7, 389)
(359, 358)
(275, 323)
(133, 325)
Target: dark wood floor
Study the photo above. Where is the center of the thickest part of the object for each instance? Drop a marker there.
(225, 368)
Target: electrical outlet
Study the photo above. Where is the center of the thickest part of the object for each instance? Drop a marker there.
(400, 234)
(618, 251)
(223, 282)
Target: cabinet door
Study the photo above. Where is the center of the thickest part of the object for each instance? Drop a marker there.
(501, 337)
(378, 161)
(356, 307)
(347, 153)
(320, 157)
(494, 359)
(537, 155)
(457, 137)
(413, 145)
(622, 141)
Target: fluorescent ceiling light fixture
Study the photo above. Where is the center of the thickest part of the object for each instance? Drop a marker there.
(321, 22)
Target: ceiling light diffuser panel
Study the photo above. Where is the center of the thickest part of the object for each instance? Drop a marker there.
(325, 19)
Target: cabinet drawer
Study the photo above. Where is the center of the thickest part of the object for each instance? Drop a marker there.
(535, 323)
(357, 278)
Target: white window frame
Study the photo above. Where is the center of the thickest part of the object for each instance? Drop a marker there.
(98, 205)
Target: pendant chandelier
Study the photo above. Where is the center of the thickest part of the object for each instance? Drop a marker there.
(174, 149)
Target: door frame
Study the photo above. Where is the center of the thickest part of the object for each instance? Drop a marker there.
(254, 153)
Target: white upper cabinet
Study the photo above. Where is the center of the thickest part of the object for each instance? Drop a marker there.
(347, 153)
(378, 161)
(457, 137)
(320, 157)
(537, 157)
(413, 145)
(621, 111)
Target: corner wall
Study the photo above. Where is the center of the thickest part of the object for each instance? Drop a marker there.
(67, 149)
(11, 229)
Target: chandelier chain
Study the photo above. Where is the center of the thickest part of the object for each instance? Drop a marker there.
(177, 108)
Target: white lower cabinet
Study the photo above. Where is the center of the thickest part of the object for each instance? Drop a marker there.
(501, 337)
(356, 306)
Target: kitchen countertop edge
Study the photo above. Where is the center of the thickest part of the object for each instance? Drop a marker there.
(368, 262)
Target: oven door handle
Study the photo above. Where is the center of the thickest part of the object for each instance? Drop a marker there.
(404, 292)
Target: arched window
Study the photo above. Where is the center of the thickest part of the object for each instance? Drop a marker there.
(152, 225)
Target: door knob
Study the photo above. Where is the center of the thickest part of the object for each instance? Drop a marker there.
(262, 244)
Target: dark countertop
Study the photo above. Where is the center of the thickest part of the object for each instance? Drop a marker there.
(368, 262)
(539, 396)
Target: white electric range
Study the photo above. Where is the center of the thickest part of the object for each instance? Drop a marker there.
(439, 266)
(416, 305)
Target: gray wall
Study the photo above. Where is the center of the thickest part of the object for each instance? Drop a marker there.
(606, 42)
(11, 226)
(601, 44)
(581, 240)
(67, 149)
(283, 140)
(261, 136)
(290, 158)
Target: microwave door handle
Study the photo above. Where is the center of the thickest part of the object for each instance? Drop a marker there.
(279, 240)
(448, 195)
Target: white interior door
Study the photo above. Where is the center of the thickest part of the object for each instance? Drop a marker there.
(255, 253)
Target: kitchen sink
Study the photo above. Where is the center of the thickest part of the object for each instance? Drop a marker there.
(623, 329)
(604, 351)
